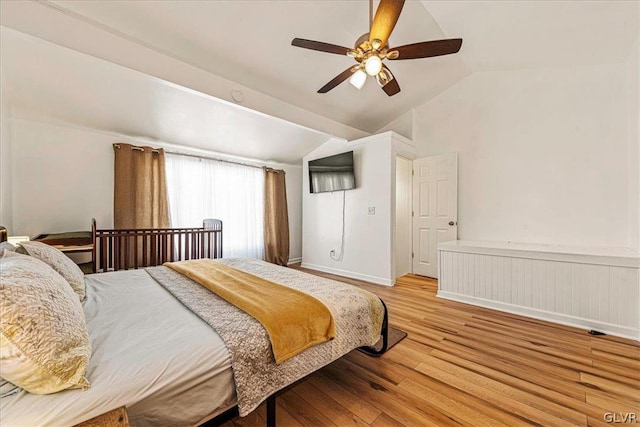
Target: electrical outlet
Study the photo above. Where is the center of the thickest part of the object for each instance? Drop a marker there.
(372, 210)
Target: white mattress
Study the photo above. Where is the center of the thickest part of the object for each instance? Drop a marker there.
(150, 354)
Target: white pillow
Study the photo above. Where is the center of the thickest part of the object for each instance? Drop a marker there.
(44, 344)
(59, 262)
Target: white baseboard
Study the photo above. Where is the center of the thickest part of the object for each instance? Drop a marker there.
(351, 274)
(294, 260)
(563, 319)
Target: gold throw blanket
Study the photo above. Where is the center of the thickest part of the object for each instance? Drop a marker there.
(294, 320)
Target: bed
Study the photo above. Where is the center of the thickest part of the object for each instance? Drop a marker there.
(162, 361)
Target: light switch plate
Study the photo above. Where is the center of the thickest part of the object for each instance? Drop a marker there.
(372, 210)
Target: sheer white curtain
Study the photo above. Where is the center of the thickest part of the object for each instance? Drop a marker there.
(203, 188)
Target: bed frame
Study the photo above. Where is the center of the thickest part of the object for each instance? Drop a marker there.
(124, 249)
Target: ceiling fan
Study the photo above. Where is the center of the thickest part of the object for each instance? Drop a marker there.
(372, 48)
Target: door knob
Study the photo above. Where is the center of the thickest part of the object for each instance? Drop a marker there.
(452, 223)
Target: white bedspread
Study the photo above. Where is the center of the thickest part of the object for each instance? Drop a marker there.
(137, 335)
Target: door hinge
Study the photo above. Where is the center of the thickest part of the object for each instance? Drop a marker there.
(413, 172)
(413, 213)
(412, 256)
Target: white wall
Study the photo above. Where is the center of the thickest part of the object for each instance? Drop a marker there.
(633, 91)
(65, 178)
(367, 248)
(6, 215)
(293, 179)
(542, 153)
(403, 125)
(369, 242)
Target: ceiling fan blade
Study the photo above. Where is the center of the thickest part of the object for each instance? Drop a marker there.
(427, 49)
(387, 81)
(321, 46)
(337, 80)
(386, 17)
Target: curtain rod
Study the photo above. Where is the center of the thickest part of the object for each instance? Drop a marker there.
(133, 147)
(197, 156)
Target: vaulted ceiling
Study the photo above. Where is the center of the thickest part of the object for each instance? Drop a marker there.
(48, 81)
(248, 44)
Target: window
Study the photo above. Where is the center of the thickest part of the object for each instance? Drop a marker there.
(204, 188)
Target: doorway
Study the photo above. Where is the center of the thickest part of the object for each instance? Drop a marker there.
(435, 209)
(402, 254)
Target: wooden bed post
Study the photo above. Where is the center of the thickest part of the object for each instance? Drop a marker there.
(95, 243)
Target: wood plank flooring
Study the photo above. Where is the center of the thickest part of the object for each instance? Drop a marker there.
(466, 365)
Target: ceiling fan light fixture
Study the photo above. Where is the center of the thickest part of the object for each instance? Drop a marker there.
(384, 77)
(373, 65)
(358, 78)
(393, 54)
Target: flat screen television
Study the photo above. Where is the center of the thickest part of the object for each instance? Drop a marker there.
(333, 173)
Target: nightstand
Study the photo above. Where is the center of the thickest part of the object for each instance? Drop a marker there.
(116, 418)
(71, 243)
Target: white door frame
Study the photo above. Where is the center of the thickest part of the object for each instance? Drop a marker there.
(400, 147)
(409, 242)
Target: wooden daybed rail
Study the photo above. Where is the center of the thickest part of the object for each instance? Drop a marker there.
(122, 249)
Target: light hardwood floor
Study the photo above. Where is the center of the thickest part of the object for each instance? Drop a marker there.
(465, 365)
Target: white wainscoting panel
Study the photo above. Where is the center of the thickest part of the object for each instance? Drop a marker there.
(592, 290)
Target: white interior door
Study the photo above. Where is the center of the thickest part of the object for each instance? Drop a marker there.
(435, 209)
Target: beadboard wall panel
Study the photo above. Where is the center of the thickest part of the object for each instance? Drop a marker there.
(588, 295)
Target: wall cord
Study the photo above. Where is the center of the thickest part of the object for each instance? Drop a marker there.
(339, 257)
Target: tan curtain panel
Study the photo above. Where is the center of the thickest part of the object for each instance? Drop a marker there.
(276, 218)
(140, 189)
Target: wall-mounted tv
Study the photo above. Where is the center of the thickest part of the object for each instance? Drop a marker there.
(333, 173)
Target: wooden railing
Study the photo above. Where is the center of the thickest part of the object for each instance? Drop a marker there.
(120, 249)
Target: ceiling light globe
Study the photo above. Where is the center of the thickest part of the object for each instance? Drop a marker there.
(358, 78)
(373, 65)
